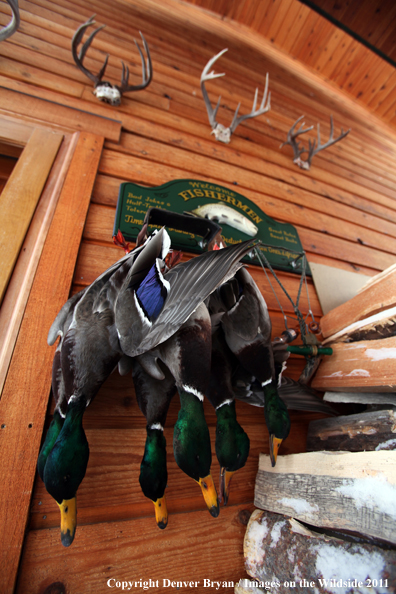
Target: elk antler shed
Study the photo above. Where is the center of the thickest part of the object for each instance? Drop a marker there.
(221, 132)
(104, 90)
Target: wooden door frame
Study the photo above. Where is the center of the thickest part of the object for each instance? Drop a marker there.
(25, 395)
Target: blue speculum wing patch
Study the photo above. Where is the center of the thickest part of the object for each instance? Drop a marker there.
(152, 293)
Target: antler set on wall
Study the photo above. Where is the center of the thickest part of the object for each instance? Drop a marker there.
(13, 25)
(221, 132)
(314, 147)
(104, 90)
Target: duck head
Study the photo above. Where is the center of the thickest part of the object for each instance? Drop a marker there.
(65, 466)
(232, 446)
(153, 473)
(191, 446)
(277, 419)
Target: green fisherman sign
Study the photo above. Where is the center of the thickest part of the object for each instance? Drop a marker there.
(239, 218)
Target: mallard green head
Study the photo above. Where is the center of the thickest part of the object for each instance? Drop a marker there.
(65, 468)
(191, 446)
(277, 419)
(232, 446)
(52, 434)
(153, 473)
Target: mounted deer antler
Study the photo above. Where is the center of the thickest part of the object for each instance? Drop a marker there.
(313, 147)
(106, 91)
(221, 132)
(13, 25)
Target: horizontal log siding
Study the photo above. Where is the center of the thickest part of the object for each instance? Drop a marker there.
(344, 210)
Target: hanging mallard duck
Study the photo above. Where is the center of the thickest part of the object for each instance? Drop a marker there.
(134, 310)
(153, 315)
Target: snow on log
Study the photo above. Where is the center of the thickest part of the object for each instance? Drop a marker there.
(340, 490)
(364, 366)
(286, 554)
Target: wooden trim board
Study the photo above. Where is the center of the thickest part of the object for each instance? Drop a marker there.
(21, 194)
(17, 294)
(25, 396)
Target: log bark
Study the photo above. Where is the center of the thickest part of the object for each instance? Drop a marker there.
(354, 433)
(282, 555)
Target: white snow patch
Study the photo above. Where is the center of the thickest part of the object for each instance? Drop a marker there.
(297, 575)
(255, 536)
(380, 354)
(276, 533)
(300, 506)
(340, 567)
(372, 493)
(290, 553)
(386, 445)
(361, 372)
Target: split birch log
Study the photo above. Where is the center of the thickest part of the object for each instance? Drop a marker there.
(354, 433)
(347, 491)
(285, 553)
(361, 397)
(367, 365)
(373, 298)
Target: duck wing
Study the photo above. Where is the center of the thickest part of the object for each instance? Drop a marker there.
(175, 294)
(64, 318)
(246, 325)
(296, 396)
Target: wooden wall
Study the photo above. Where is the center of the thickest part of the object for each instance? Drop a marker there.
(344, 210)
(326, 49)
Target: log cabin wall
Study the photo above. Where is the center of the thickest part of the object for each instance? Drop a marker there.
(343, 208)
(323, 47)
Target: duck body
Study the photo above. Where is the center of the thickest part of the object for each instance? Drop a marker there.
(181, 290)
(135, 307)
(154, 392)
(241, 311)
(87, 353)
(232, 443)
(164, 319)
(184, 357)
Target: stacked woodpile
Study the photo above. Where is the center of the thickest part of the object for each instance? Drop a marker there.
(329, 514)
(362, 334)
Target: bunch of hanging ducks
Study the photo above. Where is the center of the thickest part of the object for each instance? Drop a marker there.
(184, 329)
